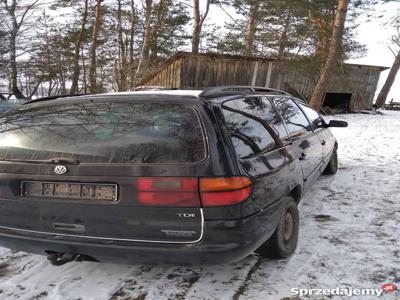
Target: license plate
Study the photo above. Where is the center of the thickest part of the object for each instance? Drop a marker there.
(62, 190)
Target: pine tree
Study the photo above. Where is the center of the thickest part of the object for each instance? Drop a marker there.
(330, 63)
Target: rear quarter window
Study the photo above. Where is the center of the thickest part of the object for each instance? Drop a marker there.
(248, 134)
(105, 132)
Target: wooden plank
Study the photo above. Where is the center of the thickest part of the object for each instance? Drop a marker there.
(255, 73)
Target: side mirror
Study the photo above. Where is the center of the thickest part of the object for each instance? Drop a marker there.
(337, 123)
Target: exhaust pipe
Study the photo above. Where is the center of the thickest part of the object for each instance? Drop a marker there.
(61, 258)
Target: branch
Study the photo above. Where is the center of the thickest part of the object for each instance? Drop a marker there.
(204, 16)
(393, 52)
(243, 12)
(28, 8)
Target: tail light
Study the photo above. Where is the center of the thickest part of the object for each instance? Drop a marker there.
(224, 191)
(189, 192)
(168, 191)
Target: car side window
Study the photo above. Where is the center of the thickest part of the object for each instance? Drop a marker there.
(274, 119)
(262, 108)
(296, 122)
(316, 120)
(248, 134)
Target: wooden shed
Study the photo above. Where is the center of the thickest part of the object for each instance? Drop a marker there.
(352, 86)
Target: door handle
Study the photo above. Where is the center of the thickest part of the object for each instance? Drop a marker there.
(323, 143)
(302, 156)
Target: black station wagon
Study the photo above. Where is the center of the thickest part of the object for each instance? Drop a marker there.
(192, 177)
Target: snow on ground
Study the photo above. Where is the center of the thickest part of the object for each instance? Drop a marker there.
(350, 225)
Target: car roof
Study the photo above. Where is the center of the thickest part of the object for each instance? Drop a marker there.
(210, 95)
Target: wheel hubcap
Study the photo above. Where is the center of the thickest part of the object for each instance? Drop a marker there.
(288, 226)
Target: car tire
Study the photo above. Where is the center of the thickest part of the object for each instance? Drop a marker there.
(332, 166)
(283, 242)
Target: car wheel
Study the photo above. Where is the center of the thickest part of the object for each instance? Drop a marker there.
(283, 242)
(332, 166)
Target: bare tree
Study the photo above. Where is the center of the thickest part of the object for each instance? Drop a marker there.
(93, 88)
(145, 52)
(17, 13)
(330, 63)
(122, 80)
(155, 28)
(78, 43)
(131, 42)
(198, 19)
(380, 101)
(251, 28)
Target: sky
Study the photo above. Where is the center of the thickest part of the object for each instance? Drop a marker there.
(376, 34)
(373, 31)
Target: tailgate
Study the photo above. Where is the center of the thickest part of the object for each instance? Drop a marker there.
(106, 209)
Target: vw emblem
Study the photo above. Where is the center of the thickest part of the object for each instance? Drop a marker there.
(60, 170)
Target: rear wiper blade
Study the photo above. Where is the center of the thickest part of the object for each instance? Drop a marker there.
(63, 161)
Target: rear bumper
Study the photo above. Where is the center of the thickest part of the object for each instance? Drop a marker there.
(222, 242)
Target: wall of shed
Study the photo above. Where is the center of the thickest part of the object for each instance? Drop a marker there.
(361, 82)
(206, 71)
(202, 71)
(168, 76)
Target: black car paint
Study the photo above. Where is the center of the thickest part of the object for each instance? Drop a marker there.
(226, 234)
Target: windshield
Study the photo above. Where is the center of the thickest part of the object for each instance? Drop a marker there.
(105, 132)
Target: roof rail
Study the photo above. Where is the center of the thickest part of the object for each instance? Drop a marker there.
(152, 88)
(239, 89)
(54, 97)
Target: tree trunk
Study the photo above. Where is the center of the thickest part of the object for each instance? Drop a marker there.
(324, 27)
(196, 27)
(283, 39)
(76, 68)
(198, 21)
(15, 10)
(14, 30)
(251, 28)
(329, 67)
(61, 71)
(145, 52)
(380, 101)
(85, 85)
(154, 30)
(93, 88)
(11, 10)
(131, 43)
(121, 82)
(35, 88)
(13, 67)
(147, 31)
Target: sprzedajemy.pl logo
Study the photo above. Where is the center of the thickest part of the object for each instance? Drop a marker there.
(347, 291)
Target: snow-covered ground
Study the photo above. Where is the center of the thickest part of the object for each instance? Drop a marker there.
(350, 228)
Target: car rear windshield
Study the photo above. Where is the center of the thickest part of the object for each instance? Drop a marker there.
(104, 132)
